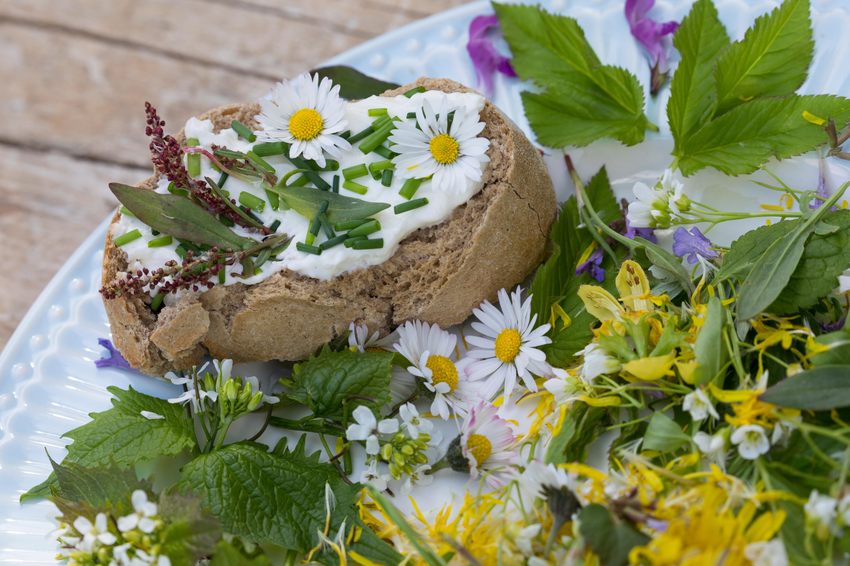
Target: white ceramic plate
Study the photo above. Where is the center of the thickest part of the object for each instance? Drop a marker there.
(48, 381)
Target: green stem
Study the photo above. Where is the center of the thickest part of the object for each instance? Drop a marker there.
(650, 126)
(223, 432)
(288, 424)
(291, 557)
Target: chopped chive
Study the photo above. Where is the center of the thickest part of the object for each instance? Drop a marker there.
(413, 91)
(372, 142)
(300, 181)
(224, 152)
(385, 152)
(251, 201)
(193, 162)
(274, 199)
(350, 224)
(275, 225)
(409, 188)
(349, 243)
(157, 301)
(179, 192)
(154, 232)
(160, 242)
(345, 135)
(407, 206)
(307, 249)
(377, 111)
(380, 165)
(387, 178)
(309, 239)
(360, 135)
(127, 238)
(257, 160)
(364, 230)
(181, 251)
(335, 241)
(222, 179)
(222, 275)
(226, 221)
(336, 184)
(187, 245)
(330, 165)
(243, 131)
(126, 212)
(354, 172)
(375, 244)
(354, 187)
(309, 173)
(324, 206)
(411, 115)
(326, 226)
(269, 148)
(315, 226)
(381, 122)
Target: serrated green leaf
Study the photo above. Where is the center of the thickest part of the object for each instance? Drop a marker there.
(746, 137)
(709, 347)
(228, 555)
(585, 100)
(325, 382)
(663, 434)
(611, 540)
(579, 430)
(190, 533)
(279, 497)
(818, 389)
(771, 60)
(742, 255)
(699, 39)
(108, 487)
(353, 84)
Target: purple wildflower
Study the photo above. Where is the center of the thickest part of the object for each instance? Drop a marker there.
(647, 234)
(592, 265)
(485, 58)
(693, 243)
(114, 359)
(651, 35)
(823, 193)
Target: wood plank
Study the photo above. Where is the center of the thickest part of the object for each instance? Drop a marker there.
(51, 202)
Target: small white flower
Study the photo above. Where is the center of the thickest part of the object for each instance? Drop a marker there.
(309, 120)
(362, 342)
(143, 518)
(714, 447)
(374, 477)
(411, 421)
(766, 553)
(597, 361)
(367, 428)
(94, 535)
(655, 206)
(151, 415)
(821, 513)
(485, 441)
(452, 155)
(782, 430)
(255, 386)
(418, 477)
(538, 477)
(751, 441)
(844, 511)
(699, 405)
(564, 387)
(197, 400)
(162, 560)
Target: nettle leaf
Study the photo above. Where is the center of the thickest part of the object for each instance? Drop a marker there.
(585, 100)
(818, 389)
(771, 60)
(121, 435)
(279, 497)
(699, 39)
(306, 202)
(226, 554)
(746, 137)
(608, 537)
(579, 430)
(352, 83)
(325, 382)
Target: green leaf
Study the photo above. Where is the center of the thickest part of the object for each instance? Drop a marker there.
(579, 430)
(738, 262)
(190, 533)
(179, 217)
(121, 435)
(353, 85)
(107, 487)
(839, 349)
(325, 382)
(306, 202)
(609, 538)
(746, 137)
(279, 497)
(699, 39)
(585, 100)
(771, 60)
(709, 347)
(668, 262)
(818, 389)
(663, 434)
(226, 554)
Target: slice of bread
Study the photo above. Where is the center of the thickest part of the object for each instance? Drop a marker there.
(437, 275)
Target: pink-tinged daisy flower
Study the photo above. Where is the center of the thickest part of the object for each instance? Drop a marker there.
(485, 441)
(509, 346)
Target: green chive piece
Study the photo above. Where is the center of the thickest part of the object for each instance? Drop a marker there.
(326, 226)
(127, 238)
(309, 239)
(160, 242)
(354, 187)
(274, 199)
(411, 115)
(349, 243)
(226, 221)
(126, 212)
(157, 301)
(269, 148)
(222, 275)
(412, 205)
(310, 173)
(308, 249)
(375, 244)
(181, 251)
(300, 181)
(222, 179)
(372, 142)
(345, 135)
(315, 226)
(377, 111)
(354, 172)
(175, 191)
(187, 245)
(385, 152)
(275, 225)
(252, 202)
(257, 160)
(243, 130)
(364, 230)
(336, 184)
(387, 178)
(154, 232)
(381, 122)
(324, 206)
(330, 165)
(193, 162)
(360, 135)
(413, 91)
(380, 165)
(409, 188)
(335, 241)
(350, 224)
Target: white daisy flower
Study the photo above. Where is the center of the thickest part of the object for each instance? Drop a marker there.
(714, 447)
(452, 154)
(564, 387)
(411, 421)
(309, 120)
(485, 440)
(751, 441)
(699, 405)
(430, 348)
(767, 553)
(144, 516)
(362, 342)
(94, 535)
(508, 345)
(597, 361)
(418, 477)
(538, 478)
(368, 428)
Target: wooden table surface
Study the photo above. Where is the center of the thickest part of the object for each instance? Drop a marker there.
(74, 76)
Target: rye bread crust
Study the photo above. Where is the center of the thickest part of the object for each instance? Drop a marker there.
(437, 275)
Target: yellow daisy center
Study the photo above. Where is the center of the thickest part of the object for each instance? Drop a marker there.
(376, 350)
(479, 447)
(443, 370)
(306, 124)
(507, 344)
(444, 148)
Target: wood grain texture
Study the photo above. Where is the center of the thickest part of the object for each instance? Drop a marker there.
(74, 77)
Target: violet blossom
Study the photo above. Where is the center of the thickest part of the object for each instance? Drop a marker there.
(114, 359)
(485, 58)
(647, 234)
(651, 35)
(592, 265)
(692, 243)
(823, 193)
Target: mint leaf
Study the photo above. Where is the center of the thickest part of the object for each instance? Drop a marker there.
(699, 39)
(741, 140)
(771, 60)
(585, 100)
(324, 383)
(611, 540)
(353, 84)
(279, 497)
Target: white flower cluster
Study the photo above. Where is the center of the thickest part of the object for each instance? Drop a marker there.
(236, 395)
(660, 205)
(827, 515)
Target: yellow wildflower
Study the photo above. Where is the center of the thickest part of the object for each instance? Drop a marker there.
(649, 369)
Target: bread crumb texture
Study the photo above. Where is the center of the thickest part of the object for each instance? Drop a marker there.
(437, 275)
